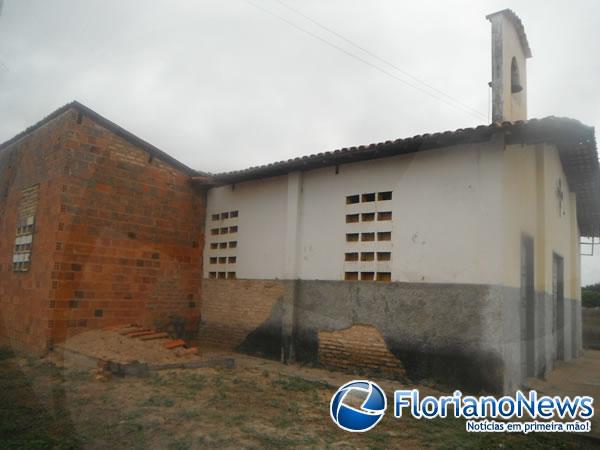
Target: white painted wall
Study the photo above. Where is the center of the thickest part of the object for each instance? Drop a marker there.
(261, 206)
(447, 218)
(531, 177)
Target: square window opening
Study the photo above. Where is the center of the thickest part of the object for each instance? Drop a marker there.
(370, 197)
(384, 276)
(351, 237)
(367, 237)
(351, 256)
(384, 256)
(367, 256)
(352, 199)
(352, 218)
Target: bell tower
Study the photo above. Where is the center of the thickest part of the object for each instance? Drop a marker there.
(510, 51)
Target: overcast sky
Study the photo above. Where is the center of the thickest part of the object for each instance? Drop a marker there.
(225, 84)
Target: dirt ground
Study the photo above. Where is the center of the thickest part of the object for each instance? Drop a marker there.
(110, 345)
(580, 377)
(259, 404)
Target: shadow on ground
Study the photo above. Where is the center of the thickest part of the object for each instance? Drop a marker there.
(26, 421)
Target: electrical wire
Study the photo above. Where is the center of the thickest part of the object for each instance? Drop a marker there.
(463, 109)
(379, 58)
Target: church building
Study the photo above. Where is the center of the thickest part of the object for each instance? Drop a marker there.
(452, 256)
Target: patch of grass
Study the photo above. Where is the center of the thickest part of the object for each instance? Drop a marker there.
(6, 353)
(46, 369)
(156, 379)
(77, 376)
(220, 392)
(131, 427)
(180, 444)
(133, 415)
(216, 441)
(189, 413)
(193, 381)
(235, 420)
(281, 412)
(296, 384)
(292, 408)
(282, 422)
(270, 440)
(378, 437)
(24, 421)
(158, 400)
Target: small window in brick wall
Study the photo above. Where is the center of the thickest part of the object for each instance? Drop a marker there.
(25, 228)
(23, 243)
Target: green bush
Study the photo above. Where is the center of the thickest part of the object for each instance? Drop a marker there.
(590, 296)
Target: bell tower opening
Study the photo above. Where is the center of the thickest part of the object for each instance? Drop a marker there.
(515, 79)
(510, 51)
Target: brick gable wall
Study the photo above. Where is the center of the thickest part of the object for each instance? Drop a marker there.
(131, 237)
(119, 237)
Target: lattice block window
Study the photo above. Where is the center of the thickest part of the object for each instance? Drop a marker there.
(222, 247)
(369, 221)
(21, 260)
(23, 243)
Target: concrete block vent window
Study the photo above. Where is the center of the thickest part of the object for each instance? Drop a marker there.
(25, 229)
(368, 251)
(222, 257)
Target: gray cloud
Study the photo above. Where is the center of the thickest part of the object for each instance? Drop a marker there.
(221, 85)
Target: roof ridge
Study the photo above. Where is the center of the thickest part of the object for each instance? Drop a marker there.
(113, 127)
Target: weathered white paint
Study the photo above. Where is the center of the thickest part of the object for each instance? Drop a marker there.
(506, 45)
(262, 207)
(294, 194)
(531, 176)
(446, 224)
(458, 217)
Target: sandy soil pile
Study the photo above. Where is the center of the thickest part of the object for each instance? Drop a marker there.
(110, 345)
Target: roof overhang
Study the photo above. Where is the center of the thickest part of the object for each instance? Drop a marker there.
(575, 142)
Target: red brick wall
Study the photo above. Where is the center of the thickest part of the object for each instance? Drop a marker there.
(130, 237)
(36, 159)
(119, 236)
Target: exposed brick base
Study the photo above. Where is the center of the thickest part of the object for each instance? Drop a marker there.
(357, 347)
(231, 309)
